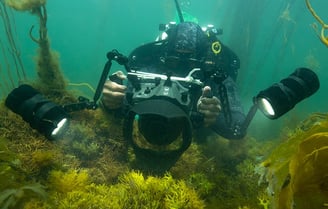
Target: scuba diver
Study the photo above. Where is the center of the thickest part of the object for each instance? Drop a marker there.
(182, 48)
(184, 80)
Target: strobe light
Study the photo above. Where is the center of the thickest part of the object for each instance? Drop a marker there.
(43, 115)
(283, 96)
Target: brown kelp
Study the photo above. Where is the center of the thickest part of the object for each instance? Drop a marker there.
(12, 70)
(297, 170)
(48, 67)
(221, 172)
(321, 35)
(90, 167)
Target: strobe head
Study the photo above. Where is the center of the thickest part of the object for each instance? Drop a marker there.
(281, 97)
(43, 115)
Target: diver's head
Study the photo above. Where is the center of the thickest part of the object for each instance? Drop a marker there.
(186, 39)
(185, 49)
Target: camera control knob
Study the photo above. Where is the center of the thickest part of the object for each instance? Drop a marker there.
(147, 90)
(184, 97)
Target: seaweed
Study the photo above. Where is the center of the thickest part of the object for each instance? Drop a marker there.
(71, 180)
(12, 198)
(296, 169)
(51, 81)
(132, 191)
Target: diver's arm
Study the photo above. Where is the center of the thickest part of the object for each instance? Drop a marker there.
(209, 106)
(113, 93)
(237, 114)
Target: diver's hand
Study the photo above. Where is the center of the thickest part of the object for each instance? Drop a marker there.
(209, 106)
(113, 93)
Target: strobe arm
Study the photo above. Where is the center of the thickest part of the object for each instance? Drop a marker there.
(85, 103)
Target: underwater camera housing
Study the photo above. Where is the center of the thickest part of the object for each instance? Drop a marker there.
(158, 112)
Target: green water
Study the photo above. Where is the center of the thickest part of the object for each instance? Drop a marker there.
(272, 38)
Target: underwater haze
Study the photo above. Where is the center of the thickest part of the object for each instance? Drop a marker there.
(272, 39)
(279, 163)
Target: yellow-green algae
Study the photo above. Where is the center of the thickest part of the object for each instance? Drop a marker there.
(297, 170)
(92, 160)
(74, 190)
(37, 160)
(91, 166)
